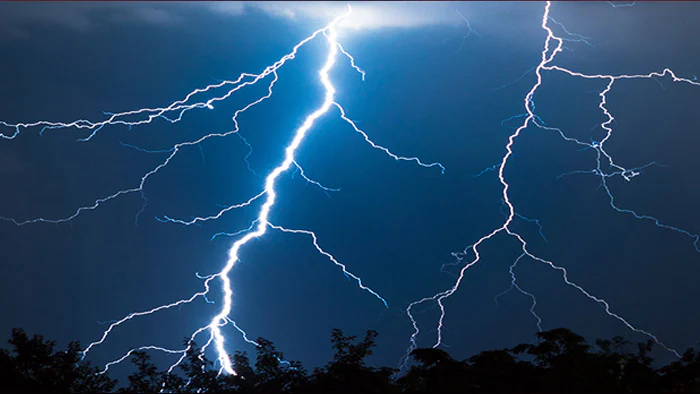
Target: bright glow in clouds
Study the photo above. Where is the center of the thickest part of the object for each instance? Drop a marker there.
(365, 14)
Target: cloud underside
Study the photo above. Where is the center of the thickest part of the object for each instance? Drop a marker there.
(19, 18)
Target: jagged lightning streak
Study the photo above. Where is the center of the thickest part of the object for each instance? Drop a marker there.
(352, 61)
(383, 149)
(347, 273)
(220, 318)
(552, 46)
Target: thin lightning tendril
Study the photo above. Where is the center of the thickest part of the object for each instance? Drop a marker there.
(514, 285)
(313, 182)
(381, 148)
(347, 273)
(470, 31)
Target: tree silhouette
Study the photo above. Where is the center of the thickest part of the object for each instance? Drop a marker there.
(566, 363)
(559, 361)
(435, 372)
(348, 371)
(32, 366)
(683, 376)
(147, 378)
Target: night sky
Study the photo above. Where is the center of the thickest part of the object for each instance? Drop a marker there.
(434, 89)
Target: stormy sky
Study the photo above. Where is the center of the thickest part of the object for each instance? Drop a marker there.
(436, 87)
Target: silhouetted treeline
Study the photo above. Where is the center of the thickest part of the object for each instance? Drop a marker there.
(560, 361)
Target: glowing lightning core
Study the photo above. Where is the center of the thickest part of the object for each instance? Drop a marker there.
(220, 319)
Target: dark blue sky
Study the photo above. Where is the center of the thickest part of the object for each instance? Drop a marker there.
(393, 223)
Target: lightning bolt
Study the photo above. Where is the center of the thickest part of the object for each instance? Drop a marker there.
(174, 113)
(552, 46)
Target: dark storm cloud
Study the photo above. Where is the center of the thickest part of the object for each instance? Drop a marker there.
(18, 20)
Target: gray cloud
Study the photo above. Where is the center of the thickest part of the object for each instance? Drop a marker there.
(18, 19)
